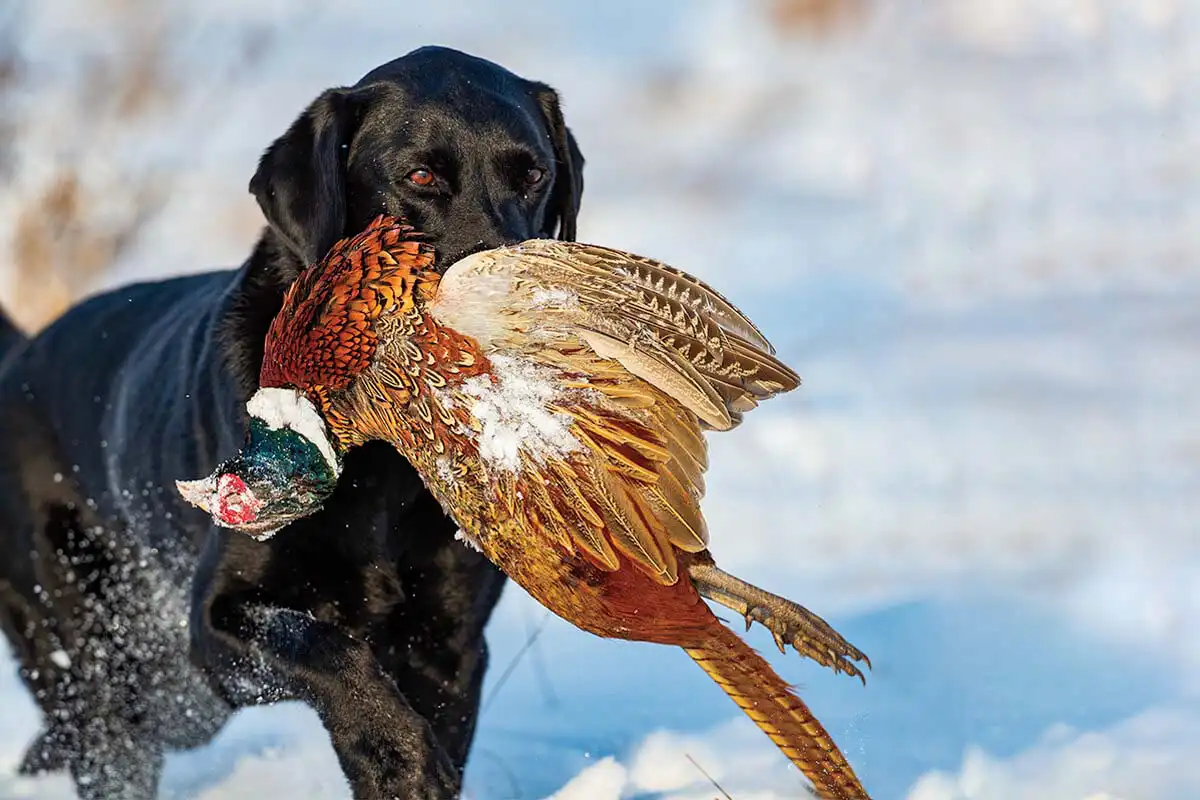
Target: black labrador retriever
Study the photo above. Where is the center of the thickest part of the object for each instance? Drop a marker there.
(137, 625)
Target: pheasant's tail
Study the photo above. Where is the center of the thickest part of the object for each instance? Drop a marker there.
(749, 680)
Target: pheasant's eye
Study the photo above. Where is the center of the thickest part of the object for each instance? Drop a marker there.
(534, 176)
(421, 177)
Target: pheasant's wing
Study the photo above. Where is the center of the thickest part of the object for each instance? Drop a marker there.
(635, 487)
(663, 325)
(324, 333)
(657, 344)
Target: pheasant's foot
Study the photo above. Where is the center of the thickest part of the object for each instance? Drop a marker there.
(790, 623)
(810, 635)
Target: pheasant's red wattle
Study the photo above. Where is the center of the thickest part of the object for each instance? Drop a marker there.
(236, 503)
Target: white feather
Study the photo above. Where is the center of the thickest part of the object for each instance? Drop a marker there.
(287, 408)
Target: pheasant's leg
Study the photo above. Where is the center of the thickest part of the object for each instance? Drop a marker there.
(788, 622)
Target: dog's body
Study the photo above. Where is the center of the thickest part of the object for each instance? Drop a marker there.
(139, 626)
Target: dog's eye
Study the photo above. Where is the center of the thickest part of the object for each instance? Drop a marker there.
(534, 176)
(421, 177)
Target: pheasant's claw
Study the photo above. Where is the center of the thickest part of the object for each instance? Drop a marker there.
(788, 622)
(811, 636)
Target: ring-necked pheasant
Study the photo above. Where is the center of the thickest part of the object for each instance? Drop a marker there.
(553, 397)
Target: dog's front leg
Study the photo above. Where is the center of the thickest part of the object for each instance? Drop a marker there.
(258, 651)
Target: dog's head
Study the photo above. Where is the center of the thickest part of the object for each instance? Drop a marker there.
(472, 155)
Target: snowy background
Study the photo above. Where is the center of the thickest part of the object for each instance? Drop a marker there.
(973, 226)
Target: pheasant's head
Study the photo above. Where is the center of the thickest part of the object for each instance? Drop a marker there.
(323, 336)
(285, 471)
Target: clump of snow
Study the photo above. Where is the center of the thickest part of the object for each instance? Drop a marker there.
(445, 470)
(684, 766)
(603, 780)
(470, 541)
(557, 297)
(1149, 755)
(511, 408)
(287, 408)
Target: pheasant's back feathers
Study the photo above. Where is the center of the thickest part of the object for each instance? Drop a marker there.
(324, 335)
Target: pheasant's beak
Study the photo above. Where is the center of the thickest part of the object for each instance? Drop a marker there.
(198, 493)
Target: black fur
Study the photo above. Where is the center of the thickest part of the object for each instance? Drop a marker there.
(136, 624)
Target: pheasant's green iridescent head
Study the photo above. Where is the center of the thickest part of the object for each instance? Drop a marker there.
(285, 471)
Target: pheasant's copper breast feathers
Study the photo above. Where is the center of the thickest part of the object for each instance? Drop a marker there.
(324, 334)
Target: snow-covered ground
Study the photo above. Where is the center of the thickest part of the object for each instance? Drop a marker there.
(972, 225)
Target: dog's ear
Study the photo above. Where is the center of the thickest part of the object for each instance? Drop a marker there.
(565, 195)
(301, 179)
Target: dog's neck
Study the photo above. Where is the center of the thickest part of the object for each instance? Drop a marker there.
(255, 299)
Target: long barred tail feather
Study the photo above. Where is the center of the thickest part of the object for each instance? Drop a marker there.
(768, 700)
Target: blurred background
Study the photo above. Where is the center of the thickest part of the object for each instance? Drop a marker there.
(973, 226)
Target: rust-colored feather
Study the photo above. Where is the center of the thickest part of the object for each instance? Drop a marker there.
(759, 691)
(325, 336)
